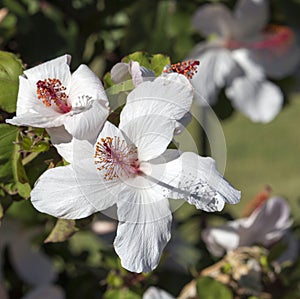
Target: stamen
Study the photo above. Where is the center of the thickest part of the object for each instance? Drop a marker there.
(187, 68)
(116, 158)
(52, 92)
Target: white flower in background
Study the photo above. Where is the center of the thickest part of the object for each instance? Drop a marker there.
(32, 266)
(239, 54)
(130, 167)
(156, 293)
(123, 71)
(267, 224)
(67, 105)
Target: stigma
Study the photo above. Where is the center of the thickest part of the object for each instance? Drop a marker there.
(52, 93)
(115, 158)
(186, 68)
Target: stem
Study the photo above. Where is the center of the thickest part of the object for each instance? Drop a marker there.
(29, 158)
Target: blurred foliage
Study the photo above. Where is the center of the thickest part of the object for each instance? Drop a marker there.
(101, 33)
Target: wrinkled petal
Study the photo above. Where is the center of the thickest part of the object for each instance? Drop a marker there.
(144, 229)
(46, 292)
(156, 293)
(88, 123)
(251, 17)
(63, 142)
(214, 19)
(219, 240)
(217, 67)
(169, 96)
(196, 180)
(57, 68)
(151, 134)
(85, 86)
(261, 101)
(33, 266)
(57, 193)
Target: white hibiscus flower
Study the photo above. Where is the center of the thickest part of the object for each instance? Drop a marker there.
(31, 265)
(267, 224)
(156, 293)
(67, 105)
(130, 167)
(239, 54)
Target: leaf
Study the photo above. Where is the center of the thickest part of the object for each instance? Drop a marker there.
(209, 288)
(13, 178)
(10, 70)
(158, 62)
(142, 58)
(121, 294)
(62, 231)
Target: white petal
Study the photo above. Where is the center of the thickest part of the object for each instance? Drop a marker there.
(217, 68)
(219, 240)
(46, 292)
(33, 266)
(151, 134)
(196, 180)
(88, 123)
(56, 68)
(63, 142)
(144, 229)
(85, 84)
(214, 19)
(170, 95)
(261, 101)
(139, 73)
(251, 17)
(120, 72)
(156, 293)
(58, 193)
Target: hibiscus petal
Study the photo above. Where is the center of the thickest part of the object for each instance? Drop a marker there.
(219, 240)
(88, 123)
(214, 19)
(33, 266)
(86, 85)
(251, 17)
(63, 142)
(261, 101)
(57, 193)
(144, 228)
(217, 67)
(156, 293)
(169, 95)
(120, 72)
(56, 68)
(46, 292)
(196, 180)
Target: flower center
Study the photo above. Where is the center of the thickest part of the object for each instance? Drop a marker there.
(187, 68)
(52, 93)
(116, 158)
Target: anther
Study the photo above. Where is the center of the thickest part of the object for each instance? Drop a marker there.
(187, 68)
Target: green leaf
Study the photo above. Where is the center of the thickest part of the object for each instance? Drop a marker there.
(142, 58)
(121, 294)
(209, 288)
(1, 211)
(13, 178)
(158, 62)
(10, 70)
(62, 231)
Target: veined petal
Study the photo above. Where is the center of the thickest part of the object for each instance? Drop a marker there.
(214, 19)
(168, 95)
(261, 101)
(57, 193)
(151, 134)
(85, 87)
(220, 239)
(144, 229)
(56, 68)
(156, 293)
(251, 17)
(88, 123)
(46, 292)
(196, 180)
(23, 257)
(217, 68)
